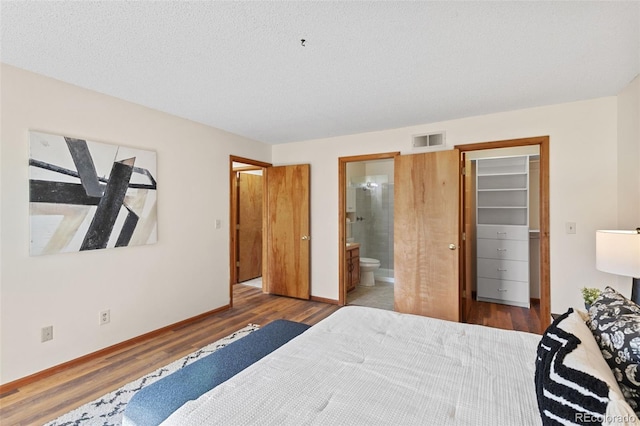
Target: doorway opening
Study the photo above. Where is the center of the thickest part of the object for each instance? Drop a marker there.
(246, 221)
(366, 230)
(510, 190)
(369, 233)
(285, 225)
(502, 230)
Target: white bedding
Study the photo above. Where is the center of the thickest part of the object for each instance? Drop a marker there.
(365, 366)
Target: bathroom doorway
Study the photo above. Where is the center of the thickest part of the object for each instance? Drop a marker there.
(367, 190)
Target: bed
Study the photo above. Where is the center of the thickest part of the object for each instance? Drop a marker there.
(366, 366)
(369, 366)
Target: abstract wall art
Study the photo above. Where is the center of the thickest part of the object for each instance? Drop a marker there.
(86, 195)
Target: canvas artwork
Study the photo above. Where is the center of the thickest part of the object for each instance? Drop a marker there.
(86, 195)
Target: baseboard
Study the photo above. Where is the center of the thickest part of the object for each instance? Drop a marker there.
(14, 385)
(323, 300)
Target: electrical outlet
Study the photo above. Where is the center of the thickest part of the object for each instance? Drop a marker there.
(46, 334)
(570, 227)
(105, 317)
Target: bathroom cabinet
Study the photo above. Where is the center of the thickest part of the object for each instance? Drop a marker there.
(353, 267)
(502, 203)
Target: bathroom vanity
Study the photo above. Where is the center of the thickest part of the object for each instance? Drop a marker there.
(353, 265)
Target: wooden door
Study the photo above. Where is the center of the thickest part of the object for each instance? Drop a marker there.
(249, 226)
(426, 234)
(468, 267)
(287, 245)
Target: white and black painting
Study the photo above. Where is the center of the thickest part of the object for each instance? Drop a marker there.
(86, 195)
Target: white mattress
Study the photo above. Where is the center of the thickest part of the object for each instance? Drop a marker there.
(365, 366)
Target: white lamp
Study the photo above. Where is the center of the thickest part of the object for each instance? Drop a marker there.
(618, 252)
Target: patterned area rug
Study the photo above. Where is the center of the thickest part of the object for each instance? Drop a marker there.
(107, 410)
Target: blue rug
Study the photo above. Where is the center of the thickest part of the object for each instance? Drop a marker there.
(155, 403)
(107, 410)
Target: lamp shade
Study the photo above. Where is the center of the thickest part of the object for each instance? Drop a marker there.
(618, 252)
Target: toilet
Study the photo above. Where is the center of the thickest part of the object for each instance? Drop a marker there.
(367, 266)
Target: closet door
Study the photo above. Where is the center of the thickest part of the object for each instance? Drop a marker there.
(427, 234)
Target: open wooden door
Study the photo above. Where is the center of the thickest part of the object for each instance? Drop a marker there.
(249, 226)
(287, 239)
(427, 234)
(468, 268)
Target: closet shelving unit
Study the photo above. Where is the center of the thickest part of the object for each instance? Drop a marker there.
(502, 227)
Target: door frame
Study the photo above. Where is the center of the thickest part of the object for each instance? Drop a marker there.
(233, 216)
(545, 260)
(342, 214)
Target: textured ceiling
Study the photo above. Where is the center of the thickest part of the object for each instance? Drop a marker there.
(365, 66)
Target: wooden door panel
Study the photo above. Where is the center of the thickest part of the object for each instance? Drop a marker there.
(469, 245)
(249, 226)
(426, 222)
(287, 253)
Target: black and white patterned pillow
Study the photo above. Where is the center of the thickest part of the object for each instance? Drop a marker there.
(614, 321)
(574, 384)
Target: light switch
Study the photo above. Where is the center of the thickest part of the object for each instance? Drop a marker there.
(570, 227)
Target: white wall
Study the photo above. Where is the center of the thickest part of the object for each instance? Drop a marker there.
(628, 165)
(629, 156)
(146, 287)
(583, 183)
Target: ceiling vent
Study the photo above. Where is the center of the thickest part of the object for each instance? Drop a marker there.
(429, 140)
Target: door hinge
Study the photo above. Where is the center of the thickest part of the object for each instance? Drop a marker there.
(237, 227)
(464, 171)
(464, 236)
(237, 264)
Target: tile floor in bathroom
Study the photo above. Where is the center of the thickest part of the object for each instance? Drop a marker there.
(379, 296)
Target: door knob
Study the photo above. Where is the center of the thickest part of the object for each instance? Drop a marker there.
(306, 237)
(452, 246)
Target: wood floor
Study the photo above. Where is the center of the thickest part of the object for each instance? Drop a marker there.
(46, 399)
(505, 316)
